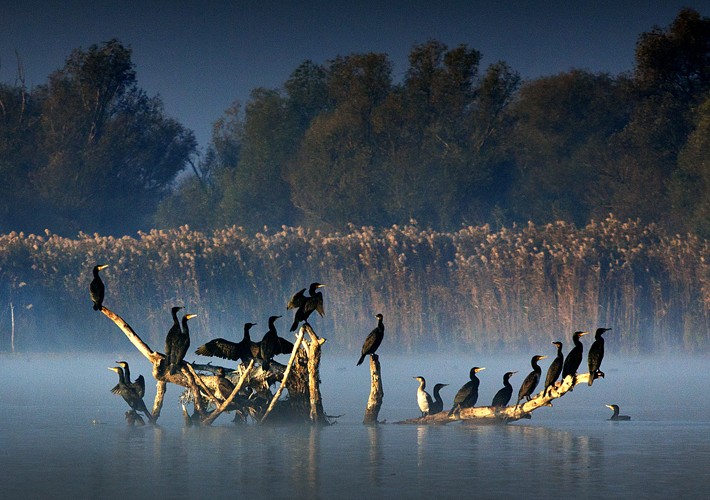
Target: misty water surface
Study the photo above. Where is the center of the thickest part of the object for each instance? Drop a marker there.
(51, 448)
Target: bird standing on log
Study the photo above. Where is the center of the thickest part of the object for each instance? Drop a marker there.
(531, 381)
(467, 396)
(616, 416)
(574, 357)
(502, 397)
(306, 305)
(373, 340)
(272, 345)
(438, 405)
(129, 394)
(423, 398)
(553, 372)
(596, 355)
(243, 350)
(178, 345)
(174, 332)
(97, 288)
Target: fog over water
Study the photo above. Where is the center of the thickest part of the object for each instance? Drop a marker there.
(51, 448)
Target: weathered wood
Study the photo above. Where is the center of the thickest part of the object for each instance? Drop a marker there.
(508, 413)
(377, 393)
(211, 418)
(142, 347)
(160, 387)
(289, 365)
(316, 414)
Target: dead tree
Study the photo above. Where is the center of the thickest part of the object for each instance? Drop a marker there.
(492, 414)
(304, 401)
(377, 393)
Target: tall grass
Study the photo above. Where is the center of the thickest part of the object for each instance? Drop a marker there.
(483, 290)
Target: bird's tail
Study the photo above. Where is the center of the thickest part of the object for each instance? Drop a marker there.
(592, 376)
(362, 358)
(96, 307)
(294, 326)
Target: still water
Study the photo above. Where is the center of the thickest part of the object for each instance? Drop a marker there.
(62, 434)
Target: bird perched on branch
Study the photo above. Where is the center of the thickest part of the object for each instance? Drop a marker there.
(97, 289)
(243, 350)
(502, 397)
(373, 340)
(553, 372)
(272, 345)
(596, 355)
(530, 383)
(306, 305)
(178, 345)
(129, 394)
(574, 357)
(423, 398)
(467, 396)
(174, 332)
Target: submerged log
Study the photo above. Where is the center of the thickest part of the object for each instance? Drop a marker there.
(377, 393)
(491, 414)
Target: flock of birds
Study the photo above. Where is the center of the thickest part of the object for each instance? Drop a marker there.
(177, 343)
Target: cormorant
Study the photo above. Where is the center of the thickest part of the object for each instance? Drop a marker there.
(616, 415)
(373, 340)
(438, 405)
(129, 394)
(224, 386)
(178, 345)
(531, 381)
(173, 334)
(553, 372)
(596, 354)
(468, 394)
(306, 305)
(272, 345)
(502, 397)
(138, 385)
(97, 288)
(574, 357)
(243, 350)
(423, 398)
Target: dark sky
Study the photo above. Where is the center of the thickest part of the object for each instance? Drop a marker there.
(202, 56)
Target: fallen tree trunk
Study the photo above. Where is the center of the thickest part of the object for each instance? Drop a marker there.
(492, 414)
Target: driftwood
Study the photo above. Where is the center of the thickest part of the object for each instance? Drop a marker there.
(303, 384)
(491, 414)
(377, 393)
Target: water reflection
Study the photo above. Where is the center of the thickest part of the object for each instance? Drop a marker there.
(375, 456)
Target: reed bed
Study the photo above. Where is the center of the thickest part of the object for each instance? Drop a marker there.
(479, 289)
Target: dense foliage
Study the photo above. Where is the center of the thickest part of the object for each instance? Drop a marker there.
(483, 289)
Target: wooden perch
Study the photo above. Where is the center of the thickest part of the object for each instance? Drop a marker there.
(275, 398)
(377, 393)
(508, 413)
(211, 418)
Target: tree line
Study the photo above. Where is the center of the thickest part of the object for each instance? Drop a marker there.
(451, 144)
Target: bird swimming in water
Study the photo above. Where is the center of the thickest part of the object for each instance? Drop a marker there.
(574, 357)
(130, 395)
(178, 345)
(616, 415)
(272, 345)
(502, 397)
(596, 355)
(553, 372)
(373, 340)
(423, 398)
(467, 396)
(138, 385)
(438, 405)
(97, 288)
(306, 305)
(243, 350)
(530, 383)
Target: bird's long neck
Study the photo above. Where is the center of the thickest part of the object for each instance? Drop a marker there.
(247, 336)
(506, 382)
(535, 366)
(127, 374)
(422, 384)
(185, 328)
(577, 342)
(121, 377)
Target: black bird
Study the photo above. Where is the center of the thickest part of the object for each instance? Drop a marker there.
(553, 372)
(272, 345)
(97, 288)
(178, 345)
(224, 386)
(423, 398)
(502, 397)
(174, 332)
(574, 357)
(138, 385)
(531, 381)
(243, 350)
(130, 395)
(596, 354)
(373, 340)
(306, 305)
(467, 396)
(616, 415)
(438, 405)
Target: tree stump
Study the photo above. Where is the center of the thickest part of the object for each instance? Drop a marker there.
(377, 393)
